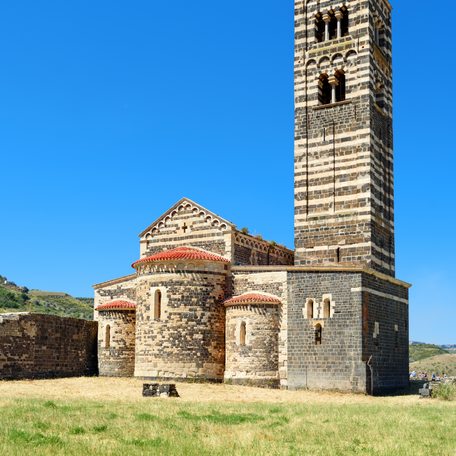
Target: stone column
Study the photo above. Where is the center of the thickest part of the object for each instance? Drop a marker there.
(327, 19)
(334, 83)
(339, 16)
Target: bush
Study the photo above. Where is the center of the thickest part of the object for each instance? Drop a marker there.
(445, 392)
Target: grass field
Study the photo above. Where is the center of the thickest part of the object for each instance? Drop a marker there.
(95, 416)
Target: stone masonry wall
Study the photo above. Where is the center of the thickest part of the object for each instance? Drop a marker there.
(46, 346)
(247, 279)
(385, 333)
(249, 250)
(116, 345)
(122, 288)
(188, 340)
(257, 361)
(343, 150)
(336, 363)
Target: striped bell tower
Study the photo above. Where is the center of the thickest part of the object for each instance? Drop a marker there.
(344, 201)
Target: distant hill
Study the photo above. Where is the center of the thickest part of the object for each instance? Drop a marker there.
(438, 364)
(419, 351)
(15, 298)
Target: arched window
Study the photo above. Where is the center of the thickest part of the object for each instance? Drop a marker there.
(326, 308)
(157, 305)
(340, 87)
(107, 336)
(324, 90)
(242, 333)
(318, 334)
(332, 26)
(344, 22)
(319, 28)
(310, 309)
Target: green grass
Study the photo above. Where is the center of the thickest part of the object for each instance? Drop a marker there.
(172, 427)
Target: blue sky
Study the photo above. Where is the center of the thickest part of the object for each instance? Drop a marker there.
(111, 111)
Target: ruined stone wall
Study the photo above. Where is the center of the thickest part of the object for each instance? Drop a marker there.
(256, 361)
(343, 150)
(116, 343)
(46, 346)
(188, 339)
(385, 333)
(336, 363)
(247, 279)
(249, 250)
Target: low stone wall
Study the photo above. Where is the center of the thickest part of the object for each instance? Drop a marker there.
(45, 346)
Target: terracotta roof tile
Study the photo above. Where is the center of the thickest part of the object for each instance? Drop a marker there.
(252, 298)
(181, 253)
(116, 305)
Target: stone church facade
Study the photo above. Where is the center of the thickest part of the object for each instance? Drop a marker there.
(211, 303)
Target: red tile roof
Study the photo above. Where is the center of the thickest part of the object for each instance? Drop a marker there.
(117, 305)
(182, 253)
(252, 298)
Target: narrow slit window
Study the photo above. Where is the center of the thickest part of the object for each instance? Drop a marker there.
(157, 305)
(318, 334)
(310, 310)
(108, 336)
(326, 308)
(242, 333)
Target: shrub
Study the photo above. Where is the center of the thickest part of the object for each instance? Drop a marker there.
(445, 392)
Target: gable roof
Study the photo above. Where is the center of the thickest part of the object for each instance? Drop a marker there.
(185, 202)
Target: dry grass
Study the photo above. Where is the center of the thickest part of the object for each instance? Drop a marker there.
(105, 416)
(129, 390)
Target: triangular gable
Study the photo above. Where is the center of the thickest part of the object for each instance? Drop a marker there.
(185, 203)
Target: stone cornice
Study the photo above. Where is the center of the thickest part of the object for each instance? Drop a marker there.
(114, 281)
(332, 268)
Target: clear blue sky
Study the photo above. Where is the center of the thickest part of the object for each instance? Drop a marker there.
(110, 111)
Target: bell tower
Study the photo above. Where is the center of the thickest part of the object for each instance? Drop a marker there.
(344, 191)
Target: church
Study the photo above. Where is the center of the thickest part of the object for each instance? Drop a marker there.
(208, 302)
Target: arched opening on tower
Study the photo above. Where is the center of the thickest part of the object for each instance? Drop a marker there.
(344, 22)
(332, 25)
(324, 90)
(319, 28)
(341, 86)
(157, 305)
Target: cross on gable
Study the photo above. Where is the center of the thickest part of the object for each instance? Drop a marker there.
(184, 228)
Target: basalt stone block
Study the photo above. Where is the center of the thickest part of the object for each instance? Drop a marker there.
(157, 390)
